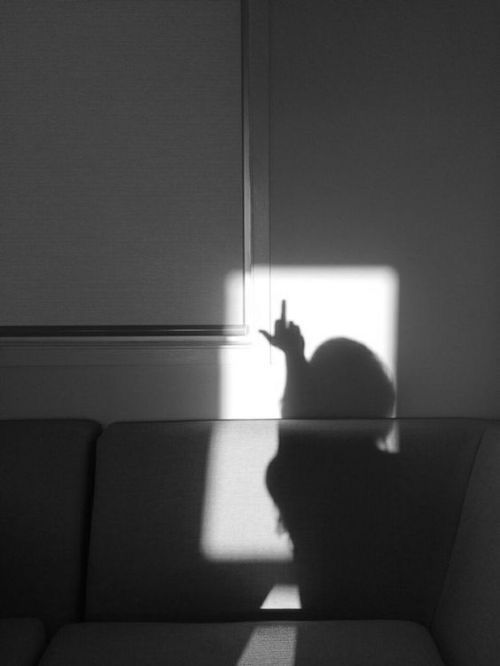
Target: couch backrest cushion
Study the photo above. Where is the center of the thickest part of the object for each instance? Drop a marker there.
(386, 519)
(148, 557)
(373, 519)
(467, 621)
(46, 470)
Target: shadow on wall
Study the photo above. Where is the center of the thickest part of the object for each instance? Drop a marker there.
(331, 487)
(343, 379)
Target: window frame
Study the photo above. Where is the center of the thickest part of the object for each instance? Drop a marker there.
(254, 110)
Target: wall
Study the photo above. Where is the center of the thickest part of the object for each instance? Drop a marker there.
(383, 151)
(382, 130)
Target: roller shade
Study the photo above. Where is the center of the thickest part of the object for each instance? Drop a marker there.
(121, 163)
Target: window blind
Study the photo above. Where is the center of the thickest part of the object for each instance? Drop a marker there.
(121, 164)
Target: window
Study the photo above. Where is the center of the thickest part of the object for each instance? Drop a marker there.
(126, 166)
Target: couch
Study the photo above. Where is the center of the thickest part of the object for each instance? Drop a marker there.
(392, 539)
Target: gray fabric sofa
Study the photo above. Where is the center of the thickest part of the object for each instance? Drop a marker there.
(147, 543)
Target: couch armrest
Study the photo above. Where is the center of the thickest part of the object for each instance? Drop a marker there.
(466, 625)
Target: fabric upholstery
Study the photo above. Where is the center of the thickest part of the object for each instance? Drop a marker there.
(467, 622)
(375, 643)
(146, 559)
(372, 527)
(21, 641)
(387, 520)
(46, 469)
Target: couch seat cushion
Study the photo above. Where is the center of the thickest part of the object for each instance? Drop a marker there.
(313, 643)
(21, 641)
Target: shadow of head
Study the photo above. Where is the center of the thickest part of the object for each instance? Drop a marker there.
(347, 380)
